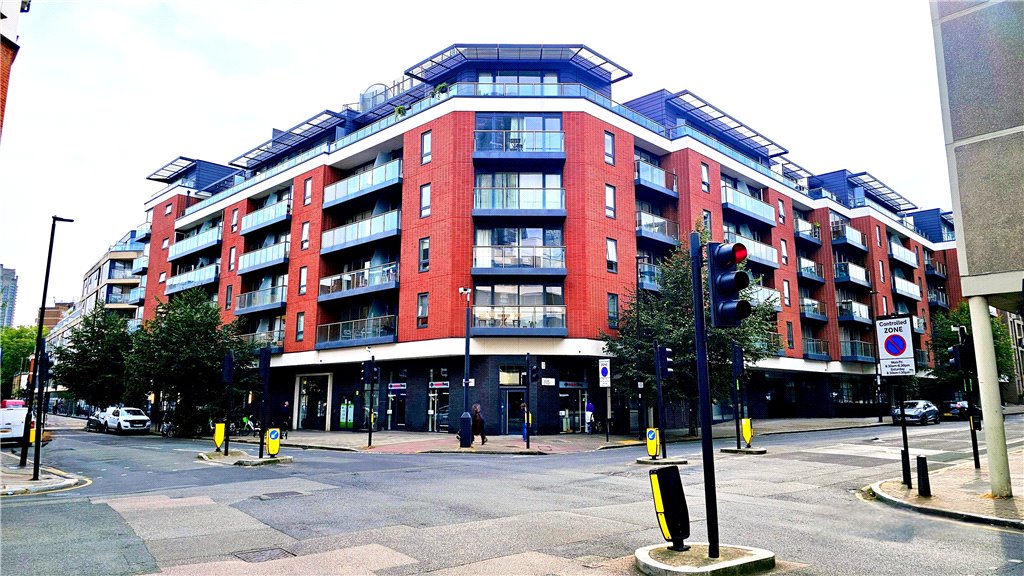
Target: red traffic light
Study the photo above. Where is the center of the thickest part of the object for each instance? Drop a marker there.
(725, 255)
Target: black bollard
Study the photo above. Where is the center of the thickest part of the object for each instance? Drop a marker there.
(924, 487)
(905, 459)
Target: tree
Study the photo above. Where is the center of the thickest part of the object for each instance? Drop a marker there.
(17, 345)
(180, 355)
(92, 364)
(943, 337)
(668, 317)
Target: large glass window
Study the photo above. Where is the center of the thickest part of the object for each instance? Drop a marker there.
(518, 121)
(517, 83)
(609, 148)
(519, 237)
(518, 295)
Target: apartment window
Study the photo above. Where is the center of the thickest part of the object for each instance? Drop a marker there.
(609, 148)
(785, 293)
(707, 220)
(878, 235)
(234, 220)
(163, 276)
(613, 311)
(165, 243)
(609, 200)
(300, 326)
(424, 254)
(784, 251)
(304, 243)
(612, 255)
(307, 191)
(231, 258)
(228, 296)
(705, 178)
(168, 208)
(881, 272)
(426, 147)
(422, 305)
(424, 200)
(782, 211)
(885, 306)
(303, 276)
(789, 335)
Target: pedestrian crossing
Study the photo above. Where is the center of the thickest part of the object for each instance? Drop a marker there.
(881, 452)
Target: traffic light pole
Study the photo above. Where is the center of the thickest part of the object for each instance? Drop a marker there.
(373, 405)
(661, 405)
(526, 416)
(737, 370)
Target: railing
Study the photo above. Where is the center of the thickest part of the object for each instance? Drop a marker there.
(906, 287)
(918, 323)
(848, 232)
(264, 297)
(274, 338)
(757, 295)
(711, 141)
(650, 273)
(140, 263)
(756, 249)
(263, 255)
(519, 198)
(339, 332)
(903, 254)
(808, 266)
(935, 267)
(143, 229)
(137, 294)
(362, 229)
(855, 309)
(127, 247)
(198, 276)
(363, 181)
(375, 276)
(938, 296)
(190, 243)
(857, 348)
(657, 225)
(812, 306)
(948, 236)
(519, 316)
(118, 298)
(851, 271)
(518, 141)
(122, 273)
(519, 256)
(813, 346)
(748, 203)
(921, 357)
(808, 228)
(651, 173)
(266, 214)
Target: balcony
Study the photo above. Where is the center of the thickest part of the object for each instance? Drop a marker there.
(118, 274)
(807, 232)
(519, 321)
(650, 177)
(140, 265)
(134, 324)
(193, 278)
(377, 227)
(273, 298)
(811, 309)
(137, 296)
(118, 298)
(519, 260)
(902, 254)
(815, 349)
(850, 311)
(127, 247)
(906, 288)
(921, 358)
(846, 235)
(263, 258)
(811, 271)
(650, 276)
(938, 298)
(357, 282)
(850, 273)
(535, 145)
(274, 339)
(757, 252)
(918, 324)
(935, 269)
(362, 332)
(657, 228)
(381, 177)
(758, 295)
(748, 206)
(856, 351)
(195, 243)
(142, 233)
(519, 202)
(267, 216)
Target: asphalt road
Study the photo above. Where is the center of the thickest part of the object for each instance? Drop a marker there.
(154, 507)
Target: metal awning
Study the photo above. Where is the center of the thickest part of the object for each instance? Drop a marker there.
(171, 170)
(458, 54)
(692, 104)
(791, 169)
(284, 139)
(879, 191)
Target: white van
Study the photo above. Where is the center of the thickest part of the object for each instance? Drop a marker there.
(12, 422)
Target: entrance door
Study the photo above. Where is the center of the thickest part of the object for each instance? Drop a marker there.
(437, 410)
(312, 403)
(514, 399)
(570, 409)
(396, 410)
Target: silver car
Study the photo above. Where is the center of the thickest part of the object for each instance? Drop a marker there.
(917, 412)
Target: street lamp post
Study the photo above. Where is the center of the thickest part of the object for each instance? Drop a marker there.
(466, 421)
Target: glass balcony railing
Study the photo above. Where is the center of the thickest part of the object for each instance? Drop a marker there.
(137, 295)
(857, 348)
(119, 298)
(122, 273)
(264, 297)
(272, 338)
(805, 228)
(266, 214)
(211, 237)
(134, 324)
(196, 277)
(143, 230)
(646, 172)
(813, 307)
(811, 268)
(649, 273)
(846, 232)
(353, 185)
(519, 316)
(903, 254)
(342, 332)
(652, 224)
(264, 256)
(374, 276)
(127, 247)
(948, 236)
(771, 343)
(757, 250)
(522, 141)
(919, 324)
(850, 271)
(757, 295)
(519, 257)
(815, 347)
(934, 267)
(519, 198)
(140, 264)
(748, 203)
(362, 229)
(939, 297)
(856, 310)
(906, 288)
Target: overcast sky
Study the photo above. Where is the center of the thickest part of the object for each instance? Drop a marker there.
(103, 93)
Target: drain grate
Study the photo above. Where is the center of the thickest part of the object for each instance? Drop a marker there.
(277, 495)
(253, 556)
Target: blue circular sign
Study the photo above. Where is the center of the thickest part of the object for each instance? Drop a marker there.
(650, 434)
(895, 345)
(604, 371)
(274, 434)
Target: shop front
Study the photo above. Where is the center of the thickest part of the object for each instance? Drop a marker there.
(438, 399)
(312, 410)
(572, 403)
(397, 396)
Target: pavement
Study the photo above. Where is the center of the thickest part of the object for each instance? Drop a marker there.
(959, 491)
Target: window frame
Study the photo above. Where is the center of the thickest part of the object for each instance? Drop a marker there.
(232, 252)
(307, 192)
(426, 147)
(234, 220)
(784, 251)
(786, 293)
(165, 244)
(611, 248)
(609, 155)
(229, 293)
(782, 211)
(303, 279)
(705, 178)
(609, 210)
(790, 342)
(613, 311)
(300, 326)
(422, 309)
(707, 219)
(425, 208)
(168, 208)
(423, 249)
(162, 278)
(304, 236)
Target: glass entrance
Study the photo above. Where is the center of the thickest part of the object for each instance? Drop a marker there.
(513, 423)
(312, 403)
(396, 409)
(571, 404)
(437, 409)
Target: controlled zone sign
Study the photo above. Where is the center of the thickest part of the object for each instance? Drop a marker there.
(895, 351)
(604, 371)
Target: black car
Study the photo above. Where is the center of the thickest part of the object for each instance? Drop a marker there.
(955, 409)
(95, 422)
(917, 412)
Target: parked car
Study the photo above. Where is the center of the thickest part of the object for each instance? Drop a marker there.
(955, 409)
(12, 424)
(917, 411)
(95, 422)
(124, 419)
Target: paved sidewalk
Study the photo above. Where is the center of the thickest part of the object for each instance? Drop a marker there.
(15, 481)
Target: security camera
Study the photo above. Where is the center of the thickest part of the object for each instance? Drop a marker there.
(464, 290)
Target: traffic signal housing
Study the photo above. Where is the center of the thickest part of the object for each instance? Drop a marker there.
(954, 357)
(663, 358)
(367, 372)
(725, 283)
(533, 372)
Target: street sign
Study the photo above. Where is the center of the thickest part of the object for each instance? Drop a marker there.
(604, 370)
(653, 443)
(895, 351)
(273, 441)
(218, 434)
(547, 381)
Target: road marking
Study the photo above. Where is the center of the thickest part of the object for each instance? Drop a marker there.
(882, 452)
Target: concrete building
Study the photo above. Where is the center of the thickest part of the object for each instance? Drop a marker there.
(53, 314)
(8, 295)
(10, 11)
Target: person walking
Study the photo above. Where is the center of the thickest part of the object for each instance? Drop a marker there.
(589, 415)
(478, 424)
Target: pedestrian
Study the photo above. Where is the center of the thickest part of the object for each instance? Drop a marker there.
(286, 415)
(478, 424)
(590, 417)
(527, 420)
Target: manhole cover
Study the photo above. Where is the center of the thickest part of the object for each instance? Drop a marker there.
(253, 556)
(276, 495)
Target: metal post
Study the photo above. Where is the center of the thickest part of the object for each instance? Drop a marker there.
(466, 421)
(704, 389)
(526, 416)
(265, 377)
(970, 422)
(608, 416)
(373, 404)
(905, 453)
(642, 408)
(228, 377)
(661, 405)
(737, 369)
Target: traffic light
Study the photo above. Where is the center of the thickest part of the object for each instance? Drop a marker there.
(367, 373)
(954, 357)
(725, 283)
(45, 370)
(533, 372)
(663, 357)
(376, 375)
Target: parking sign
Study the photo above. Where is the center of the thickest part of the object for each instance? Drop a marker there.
(604, 370)
(895, 351)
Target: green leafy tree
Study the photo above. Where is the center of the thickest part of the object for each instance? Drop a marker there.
(92, 364)
(668, 317)
(943, 337)
(17, 344)
(179, 355)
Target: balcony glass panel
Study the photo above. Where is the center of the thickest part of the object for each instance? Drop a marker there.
(185, 245)
(375, 276)
(651, 173)
(140, 263)
(903, 254)
(657, 225)
(857, 348)
(758, 294)
(935, 267)
(813, 346)
(851, 271)
(812, 306)
(855, 309)
(906, 287)
(748, 203)
(755, 249)
(123, 273)
(921, 357)
(649, 273)
(362, 229)
(519, 256)
(808, 266)
(128, 247)
(266, 214)
(519, 198)
(848, 232)
(265, 297)
(119, 298)
(199, 276)
(363, 181)
(137, 294)
(519, 316)
(273, 338)
(519, 141)
(938, 296)
(143, 229)
(134, 324)
(808, 229)
(341, 332)
(262, 256)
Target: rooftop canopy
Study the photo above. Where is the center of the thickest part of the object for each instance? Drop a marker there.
(458, 54)
(791, 169)
(171, 170)
(284, 139)
(731, 127)
(879, 191)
